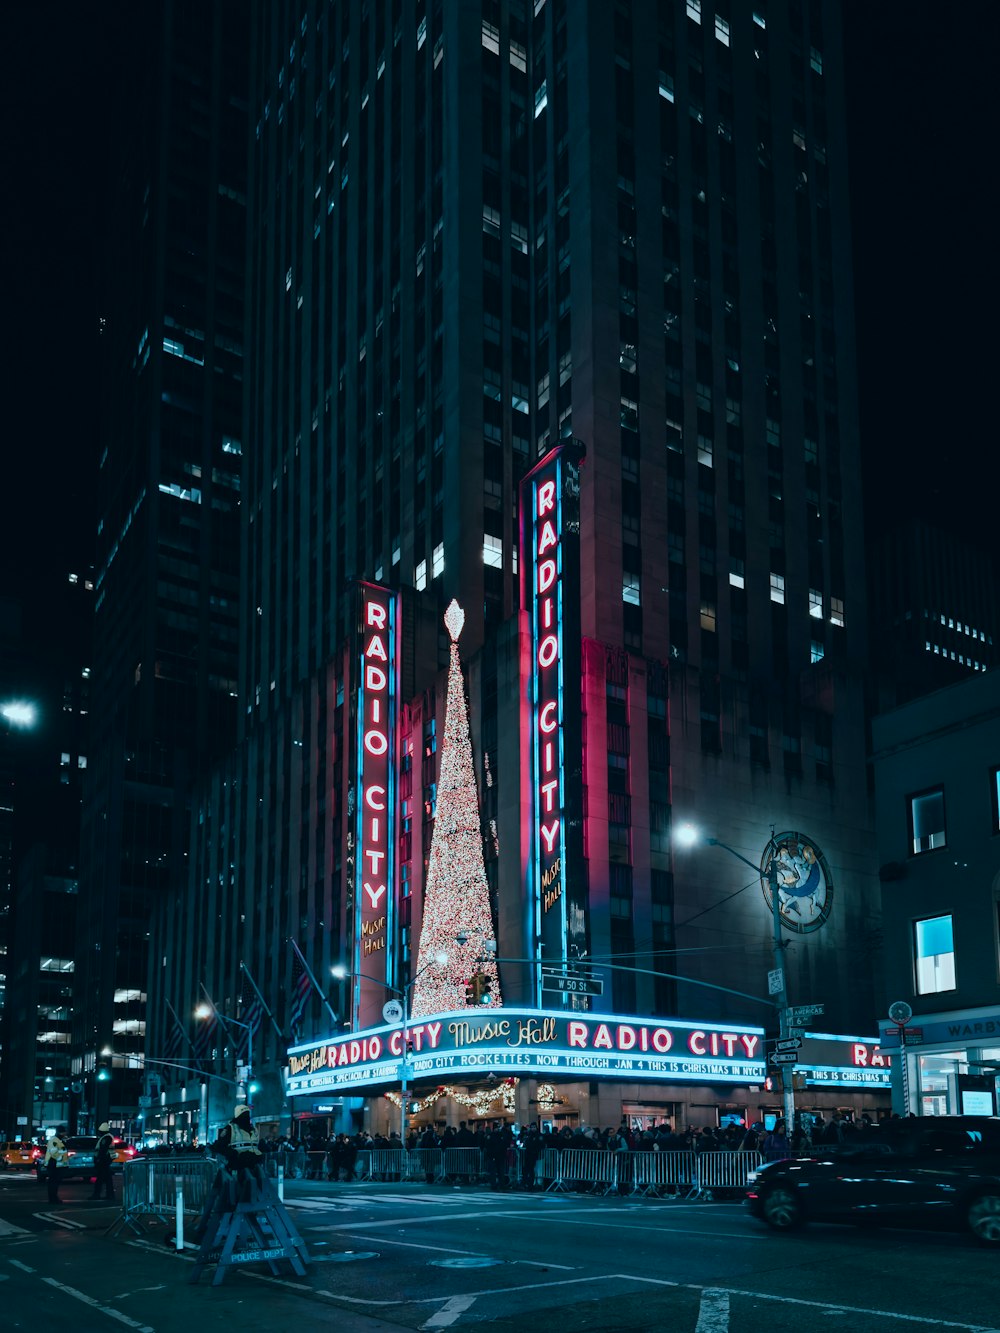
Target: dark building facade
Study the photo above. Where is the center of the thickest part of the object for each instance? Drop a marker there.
(167, 559)
(477, 232)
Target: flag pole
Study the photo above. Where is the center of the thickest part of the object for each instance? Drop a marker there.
(249, 976)
(316, 986)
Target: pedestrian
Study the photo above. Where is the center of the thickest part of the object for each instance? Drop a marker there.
(102, 1163)
(55, 1159)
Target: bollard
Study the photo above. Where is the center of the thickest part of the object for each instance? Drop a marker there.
(281, 1182)
(179, 1236)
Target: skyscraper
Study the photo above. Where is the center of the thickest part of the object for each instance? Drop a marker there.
(167, 582)
(478, 231)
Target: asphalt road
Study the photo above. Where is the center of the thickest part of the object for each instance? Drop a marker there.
(402, 1257)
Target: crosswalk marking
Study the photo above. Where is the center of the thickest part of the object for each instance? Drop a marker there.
(8, 1230)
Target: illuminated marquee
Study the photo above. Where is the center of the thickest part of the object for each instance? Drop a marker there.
(834, 1061)
(550, 564)
(532, 1041)
(375, 793)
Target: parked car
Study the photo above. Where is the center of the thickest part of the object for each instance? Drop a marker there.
(941, 1172)
(13, 1155)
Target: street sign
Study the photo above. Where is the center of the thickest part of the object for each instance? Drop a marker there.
(392, 1011)
(573, 985)
(900, 1012)
(784, 1057)
(788, 1044)
(913, 1036)
(803, 1013)
(794, 1032)
(775, 981)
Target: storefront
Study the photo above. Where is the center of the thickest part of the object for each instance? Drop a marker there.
(951, 1061)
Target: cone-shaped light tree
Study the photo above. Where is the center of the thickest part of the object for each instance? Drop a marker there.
(456, 920)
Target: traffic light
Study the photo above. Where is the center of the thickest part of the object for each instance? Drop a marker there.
(478, 989)
(103, 1072)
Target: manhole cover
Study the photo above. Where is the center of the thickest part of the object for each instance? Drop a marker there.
(348, 1257)
(472, 1261)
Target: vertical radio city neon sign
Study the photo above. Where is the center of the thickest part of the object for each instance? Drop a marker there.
(550, 565)
(375, 795)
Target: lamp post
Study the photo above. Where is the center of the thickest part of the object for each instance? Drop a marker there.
(205, 1010)
(688, 836)
(403, 992)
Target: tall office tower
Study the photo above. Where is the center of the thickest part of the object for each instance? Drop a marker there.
(934, 610)
(479, 231)
(167, 561)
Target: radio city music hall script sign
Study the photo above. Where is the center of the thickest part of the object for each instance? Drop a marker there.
(531, 1041)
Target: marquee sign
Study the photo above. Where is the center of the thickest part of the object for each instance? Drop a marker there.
(847, 1062)
(530, 1041)
(550, 564)
(375, 696)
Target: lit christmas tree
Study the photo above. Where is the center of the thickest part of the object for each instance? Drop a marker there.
(456, 895)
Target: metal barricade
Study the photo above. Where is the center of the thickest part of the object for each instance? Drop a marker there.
(363, 1164)
(424, 1162)
(586, 1166)
(462, 1164)
(661, 1173)
(150, 1185)
(723, 1171)
(387, 1164)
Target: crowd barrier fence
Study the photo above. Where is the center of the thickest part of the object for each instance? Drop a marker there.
(155, 1187)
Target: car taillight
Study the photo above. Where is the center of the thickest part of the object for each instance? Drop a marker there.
(129, 1152)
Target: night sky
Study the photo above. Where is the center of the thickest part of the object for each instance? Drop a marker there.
(923, 145)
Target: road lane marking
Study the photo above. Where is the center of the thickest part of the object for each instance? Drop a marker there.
(449, 1312)
(9, 1229)
(408, 1244)
(17, 1264)
(491, 1291)
(60, 1221)
(96, 1305)
(713, 1312)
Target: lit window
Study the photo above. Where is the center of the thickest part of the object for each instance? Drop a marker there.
(630, 589)
(437, 560)
(518, 56)
(816, 603)
(934, 951)
(816, 651)
(927, 827)
(837, 611)
(708, 616)
(667, 86)
(815, 60)
(493, 551)
(541, 98)
(422, 34)
(722, 30)
(694, 10)
(491, 38)
(778, 588)
(736, 572)
(420, 576)
(705, 447)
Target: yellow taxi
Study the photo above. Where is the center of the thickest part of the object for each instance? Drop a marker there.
(121, 1153)
(14, 1155)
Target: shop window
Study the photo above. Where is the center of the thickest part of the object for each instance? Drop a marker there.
(934, 955)
(927, 828)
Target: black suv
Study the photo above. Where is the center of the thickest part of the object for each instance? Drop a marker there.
(935, 1171)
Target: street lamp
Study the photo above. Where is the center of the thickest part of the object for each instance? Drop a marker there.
(205, 1009)
(687, 835)
(341, 973)
(19, 713)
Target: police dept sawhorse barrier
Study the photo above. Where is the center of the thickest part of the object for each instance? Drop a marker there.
(165, 1188)
(244, 1222)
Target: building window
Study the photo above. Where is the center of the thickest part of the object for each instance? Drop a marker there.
(934, 952)
(630, 589)
(927, 829)
(778, 588)
(837, 611)
(816, 603)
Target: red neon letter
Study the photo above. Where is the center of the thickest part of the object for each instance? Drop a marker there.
(548, 538)
(548, 650)
(577, 1035)
(546, 497)
(696, 1043)
(377, 615)
(860, 1054)
(546, 575)
(376, 742)
(544, 723)
(375, 678)
(370, 800)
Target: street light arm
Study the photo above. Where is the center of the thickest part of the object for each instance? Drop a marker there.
(714, 842)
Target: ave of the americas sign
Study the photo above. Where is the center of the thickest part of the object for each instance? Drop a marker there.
(550, 679)
(531, 1041)
(374, 832)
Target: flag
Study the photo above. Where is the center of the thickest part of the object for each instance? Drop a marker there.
(251, 1007)
(302, 988)
(174, 1041)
